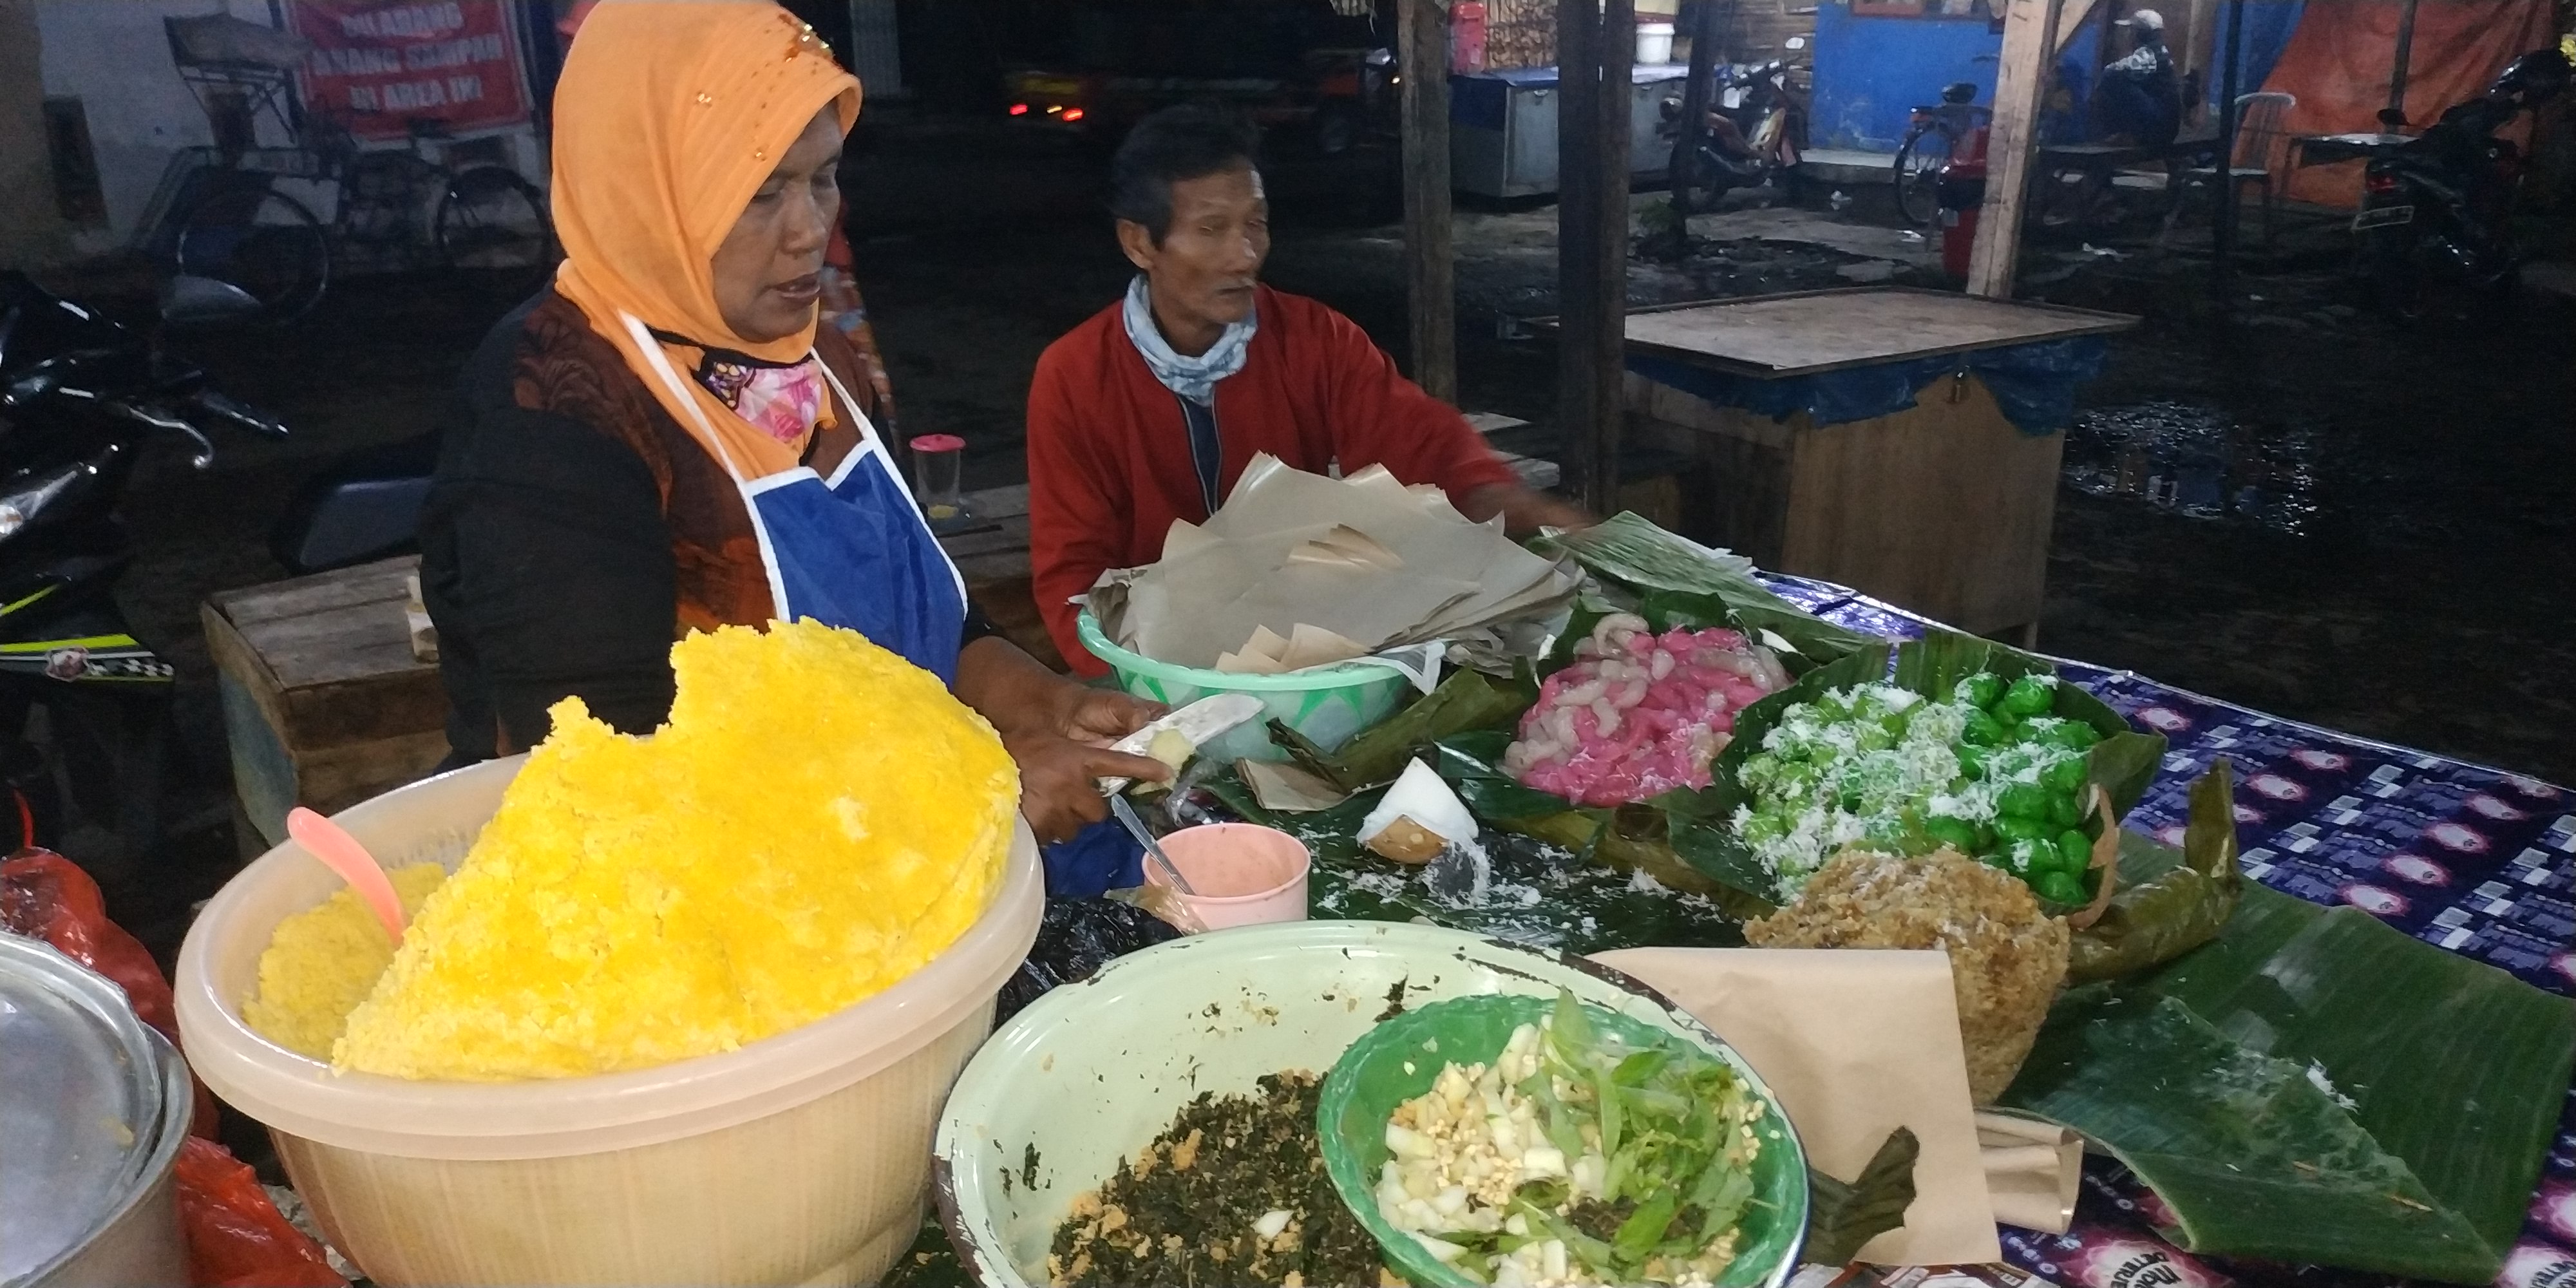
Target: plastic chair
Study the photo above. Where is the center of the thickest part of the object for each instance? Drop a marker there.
(2259, 139)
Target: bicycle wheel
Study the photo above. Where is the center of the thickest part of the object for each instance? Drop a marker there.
(492, 229)
(262, 241)
(1918, 176)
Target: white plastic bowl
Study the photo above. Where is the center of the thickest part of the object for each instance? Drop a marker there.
(1210, 1013)
(800, 1158)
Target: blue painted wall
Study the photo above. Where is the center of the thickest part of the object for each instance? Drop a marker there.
(1871, 72)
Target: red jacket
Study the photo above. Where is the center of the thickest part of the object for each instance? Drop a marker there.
(1109, 452)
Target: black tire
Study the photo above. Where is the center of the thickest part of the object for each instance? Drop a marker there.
(492, 230)
(1707, 186)
(1918, 176)
(262, 241)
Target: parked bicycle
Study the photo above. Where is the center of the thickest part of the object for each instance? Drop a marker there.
(1936, 134)
(434, 202)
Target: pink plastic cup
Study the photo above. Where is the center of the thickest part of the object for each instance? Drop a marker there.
(1245, 875)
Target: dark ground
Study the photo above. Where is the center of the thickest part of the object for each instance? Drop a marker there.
(2382, 543)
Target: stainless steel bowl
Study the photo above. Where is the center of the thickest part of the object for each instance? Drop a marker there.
(93, 1110)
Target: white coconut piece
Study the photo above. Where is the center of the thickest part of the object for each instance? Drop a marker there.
(1418, 798)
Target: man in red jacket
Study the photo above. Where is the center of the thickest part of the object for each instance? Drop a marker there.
(1148, 412)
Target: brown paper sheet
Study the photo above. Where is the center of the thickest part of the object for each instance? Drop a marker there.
(1365, 559)
(1284, 788)
(2033, 1169)
(1855, 1043)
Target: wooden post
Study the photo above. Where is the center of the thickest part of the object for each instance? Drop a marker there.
(1422, 59)
(1578, 213)
(2199, 49)
(1596, 50)
(2405, 55)
(2222, 224)
(2030, 32)
(1611, 137)
(1693, 125)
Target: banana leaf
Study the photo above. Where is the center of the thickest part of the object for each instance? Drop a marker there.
(2221, 1079)
(1543, 894)
(1628, 549)
(1630, 839)
(1842, 1217)
(2169, 902)
(2452, 1065)
(2252, 1158)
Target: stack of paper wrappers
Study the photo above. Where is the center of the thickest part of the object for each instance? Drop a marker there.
(1298, 570)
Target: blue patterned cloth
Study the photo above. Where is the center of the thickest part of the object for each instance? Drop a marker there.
(2472, 860)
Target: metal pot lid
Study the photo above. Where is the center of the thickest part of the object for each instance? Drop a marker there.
(81, 1103)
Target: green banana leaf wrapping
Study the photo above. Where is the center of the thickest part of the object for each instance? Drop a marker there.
(2164, 907)
(1842, 1217)
(2313, 1086)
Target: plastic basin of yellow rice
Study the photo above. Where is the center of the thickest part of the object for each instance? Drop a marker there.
(682, 1010)
(799, 1158)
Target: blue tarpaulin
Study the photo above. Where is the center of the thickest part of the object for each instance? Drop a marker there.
(2034, 384)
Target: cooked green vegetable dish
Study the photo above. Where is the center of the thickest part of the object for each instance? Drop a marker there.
(1575, 1158)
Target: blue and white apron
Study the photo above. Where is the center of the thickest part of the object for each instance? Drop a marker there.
(853, 551)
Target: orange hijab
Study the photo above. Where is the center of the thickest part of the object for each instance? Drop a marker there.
(669, 116)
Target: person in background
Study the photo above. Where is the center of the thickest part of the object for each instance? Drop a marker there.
(2139, 99)
(668, 439)
(1149, 411)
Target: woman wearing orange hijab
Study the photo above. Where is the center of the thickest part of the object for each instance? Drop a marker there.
(665, 440)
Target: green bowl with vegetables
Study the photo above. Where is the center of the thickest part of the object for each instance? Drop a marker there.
(1697, 1148)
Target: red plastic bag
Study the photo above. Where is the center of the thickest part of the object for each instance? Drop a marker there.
(46, 896)
(236, 1236)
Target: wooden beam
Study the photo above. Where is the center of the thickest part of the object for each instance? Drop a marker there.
(2070, 23)
(1618, 100)
(2198, 50)
(1422, 58)
(2030, 29)
(1578, 236)
(2405, 55)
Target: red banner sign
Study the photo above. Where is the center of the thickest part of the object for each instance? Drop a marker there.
(378, 65)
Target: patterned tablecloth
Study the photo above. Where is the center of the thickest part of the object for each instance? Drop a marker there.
(2469, 859)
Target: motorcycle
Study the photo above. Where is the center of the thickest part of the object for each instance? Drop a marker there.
(1746, 138)
(80, 395)
(2440, 200)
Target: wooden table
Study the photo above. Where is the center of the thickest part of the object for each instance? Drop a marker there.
(1943, 508)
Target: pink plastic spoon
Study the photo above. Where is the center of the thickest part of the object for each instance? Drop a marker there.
(341, 853)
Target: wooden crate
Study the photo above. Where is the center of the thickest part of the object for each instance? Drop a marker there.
(1943, 508)
(324, 704)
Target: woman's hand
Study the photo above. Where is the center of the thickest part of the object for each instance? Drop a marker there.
(1058, 731)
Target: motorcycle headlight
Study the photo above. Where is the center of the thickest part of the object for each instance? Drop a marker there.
(21, 504)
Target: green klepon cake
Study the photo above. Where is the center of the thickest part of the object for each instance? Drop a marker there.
(1989, 773)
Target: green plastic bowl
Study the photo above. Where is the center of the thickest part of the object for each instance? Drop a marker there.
(1400, 1059)
(1328, 706)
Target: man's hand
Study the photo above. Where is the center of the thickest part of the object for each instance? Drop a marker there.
(1524, 510)
(1058, 732)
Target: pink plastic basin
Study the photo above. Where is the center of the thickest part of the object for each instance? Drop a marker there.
(1245, 875)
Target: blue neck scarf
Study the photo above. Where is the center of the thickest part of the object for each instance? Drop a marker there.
(1191, 378)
